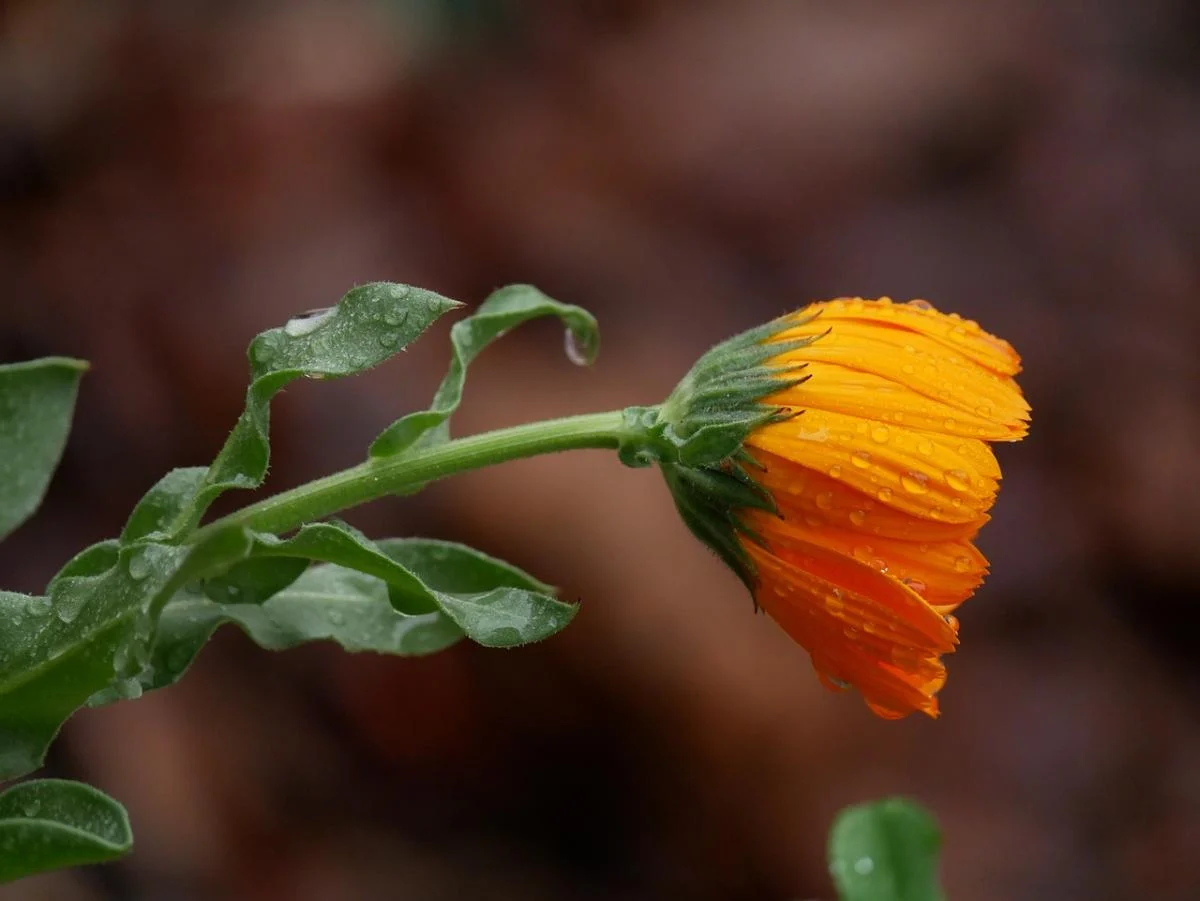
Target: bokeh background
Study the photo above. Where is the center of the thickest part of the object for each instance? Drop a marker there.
(177, 176)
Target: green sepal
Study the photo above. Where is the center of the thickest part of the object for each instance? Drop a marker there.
(698, 436)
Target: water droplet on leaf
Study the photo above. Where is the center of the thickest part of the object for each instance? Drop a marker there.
(578, 349)
(307, 323)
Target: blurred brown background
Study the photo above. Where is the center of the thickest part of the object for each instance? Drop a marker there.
(176, 176)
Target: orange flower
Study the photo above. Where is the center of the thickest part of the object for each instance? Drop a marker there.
(880, 475)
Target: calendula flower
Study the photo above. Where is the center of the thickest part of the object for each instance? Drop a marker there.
(838, 460)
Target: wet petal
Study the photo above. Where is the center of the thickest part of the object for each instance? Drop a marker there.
(922, 365)
(907, 470)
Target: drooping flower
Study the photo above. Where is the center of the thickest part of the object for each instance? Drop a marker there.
(838, 460)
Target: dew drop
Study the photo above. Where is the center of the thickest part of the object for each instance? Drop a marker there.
(949, 424)
(834, 602)
(577, 349)
(958, 480)
(884, 494)
(835, 471)
(916, 585)
(32, 808)
(814, 521)
(825, 500)
(962, 564)
(861, 459)
(307, 323)
(389, 339)
(880, 564)
(925, 446)
(395, 318)
(984, 409)
(920, 305)
(914, 482)
(880, 434)
(909, 349)
(951, 621)
(858, 517)
(336, 617)
(908, 368)
(864, 866)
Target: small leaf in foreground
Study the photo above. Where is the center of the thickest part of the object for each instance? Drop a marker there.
(37, 400)
(48, 824)
(885, 851)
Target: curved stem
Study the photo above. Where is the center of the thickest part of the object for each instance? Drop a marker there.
(411, 469)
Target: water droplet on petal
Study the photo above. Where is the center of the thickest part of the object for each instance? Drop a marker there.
(962, 564)
(834, 602)
(884, 494)
(920, 305)
(880, 434)
(825, 500)
(880, 564)
(861, 459)
(925, 446)
(835, 471)
(916, 585)
(914, 482)
(858, 517)
(958, 480)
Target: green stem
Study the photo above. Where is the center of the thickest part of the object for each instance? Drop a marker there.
(406, 471)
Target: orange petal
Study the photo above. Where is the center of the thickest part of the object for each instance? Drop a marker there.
(914, 472)
(950, 329)
(880, 648)
(818, 499)
(869, 395)
(919, 363)
(945, 573)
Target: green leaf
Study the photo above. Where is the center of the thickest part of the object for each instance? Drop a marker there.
(254, 581)
(37, 399)
(369, 324)
(326, 603)
(885, 851)
(48, 824)
(56, 651)
(502, 311)
(495, 604)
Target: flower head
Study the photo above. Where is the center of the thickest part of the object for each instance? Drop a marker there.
(840, 463)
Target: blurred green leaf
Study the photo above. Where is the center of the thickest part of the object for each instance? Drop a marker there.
(885, 851)
(48, 824)
(502, 311)
(37, 399)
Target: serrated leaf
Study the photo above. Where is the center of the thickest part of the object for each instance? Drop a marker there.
(369, 324)
(503, 310)
(885, 851)
(37, 400)
(48, 824)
